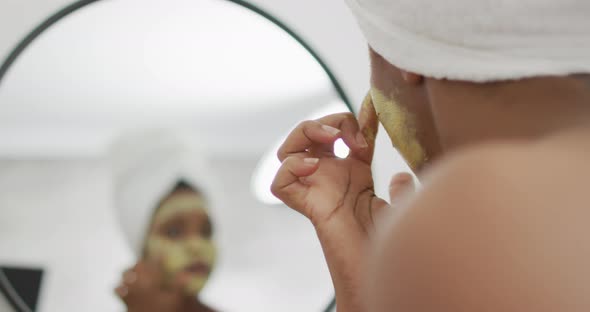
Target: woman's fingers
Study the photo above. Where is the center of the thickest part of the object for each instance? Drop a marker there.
(401, 185)
(144, 275)
(129, 277)
(122, 291)
(305, 135)
(349, 126)
(368, 124)
(318, 136)
(287, 184)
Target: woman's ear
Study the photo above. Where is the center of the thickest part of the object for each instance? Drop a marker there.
(412, 78)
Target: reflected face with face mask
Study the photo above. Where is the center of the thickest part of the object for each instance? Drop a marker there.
(180, 237)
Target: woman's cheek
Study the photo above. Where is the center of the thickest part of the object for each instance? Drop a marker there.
(209, 253)
(156, 248)
(176, 258)
(172, 253)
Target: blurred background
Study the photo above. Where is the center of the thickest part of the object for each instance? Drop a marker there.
(213, 68)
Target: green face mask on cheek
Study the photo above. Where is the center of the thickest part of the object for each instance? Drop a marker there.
(194, 256)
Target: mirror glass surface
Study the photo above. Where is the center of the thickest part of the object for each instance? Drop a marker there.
(225, 77)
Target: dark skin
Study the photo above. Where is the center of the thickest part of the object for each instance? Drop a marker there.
(498, 150)
(386, 78)
(454, 114)
(144, 292)
(494, 225)
(144, 287)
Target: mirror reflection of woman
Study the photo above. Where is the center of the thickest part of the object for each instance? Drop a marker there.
(175, 248)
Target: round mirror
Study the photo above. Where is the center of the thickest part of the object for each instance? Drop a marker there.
(96, 102)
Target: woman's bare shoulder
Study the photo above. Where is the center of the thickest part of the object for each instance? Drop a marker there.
(501, 227)
(551, 170)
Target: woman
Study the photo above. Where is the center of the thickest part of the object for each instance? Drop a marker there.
(489, 103)
(166, 219)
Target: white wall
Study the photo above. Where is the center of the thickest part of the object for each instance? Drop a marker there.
(57, 214)
(327, 25)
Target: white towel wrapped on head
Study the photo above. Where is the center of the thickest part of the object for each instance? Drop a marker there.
(146, 166)
(479, 40)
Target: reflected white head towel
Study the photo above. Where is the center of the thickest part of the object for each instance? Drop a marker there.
(146, 167)
(479, 40)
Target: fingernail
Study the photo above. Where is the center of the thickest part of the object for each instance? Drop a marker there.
(311, 161)
(400, 179)
(361, 141)
(122, 291)
(331, 130)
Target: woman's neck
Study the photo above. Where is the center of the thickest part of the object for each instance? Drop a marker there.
(469, 113)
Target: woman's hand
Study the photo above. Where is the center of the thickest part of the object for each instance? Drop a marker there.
(142, 290)
(337, 195)
(330, 191)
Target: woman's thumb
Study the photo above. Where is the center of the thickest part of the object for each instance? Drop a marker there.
(401, 185)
